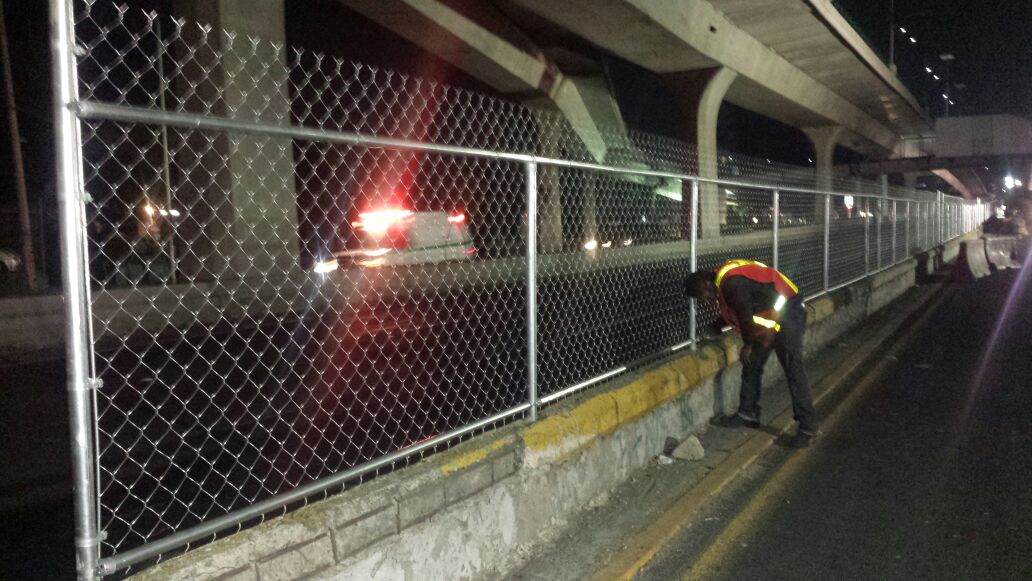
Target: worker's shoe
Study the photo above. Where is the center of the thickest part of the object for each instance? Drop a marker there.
(738, 421)
(802, 439)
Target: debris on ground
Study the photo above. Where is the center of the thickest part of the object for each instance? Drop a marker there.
(690, 449)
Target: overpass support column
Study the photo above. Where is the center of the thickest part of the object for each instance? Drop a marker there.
(701, 93)
(824, 140)
(238, 195)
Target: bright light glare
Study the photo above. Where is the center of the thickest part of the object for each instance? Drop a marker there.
(628, 242)
(848, 201)
(903, 30)
(1009, 183)
(928, 69)
(377, 252)
(913, 40)
(149, 209)
(457, 218)
(936, 77)
(607, 244)
(591, 245)
(379, 221)
(1018, 183)
(755, 220)
(371, 263)
(327, 266)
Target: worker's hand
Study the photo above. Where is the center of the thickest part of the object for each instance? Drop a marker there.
(745, 354)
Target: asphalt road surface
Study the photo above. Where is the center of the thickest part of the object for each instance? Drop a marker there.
(927, 475)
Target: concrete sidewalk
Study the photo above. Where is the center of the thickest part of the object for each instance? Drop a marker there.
(616, 539)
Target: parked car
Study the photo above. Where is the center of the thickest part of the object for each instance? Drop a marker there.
(397, 236)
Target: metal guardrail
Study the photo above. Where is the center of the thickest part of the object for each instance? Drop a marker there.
(219, 371)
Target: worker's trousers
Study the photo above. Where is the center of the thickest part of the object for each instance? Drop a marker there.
(789, 348)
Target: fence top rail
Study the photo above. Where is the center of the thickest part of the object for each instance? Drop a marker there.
(95, 110)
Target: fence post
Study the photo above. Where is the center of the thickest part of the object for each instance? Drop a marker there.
(938, 216)
(877, 231)
(906, 231)
(694, 261)
(71, 199)
(827, 238)
(777, 219)
(867, 235)
(895, 218)
(532, 248)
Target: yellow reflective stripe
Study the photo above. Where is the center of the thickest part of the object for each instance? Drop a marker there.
(766, 323)
(724, 270)
(735, 264)
(795, 289)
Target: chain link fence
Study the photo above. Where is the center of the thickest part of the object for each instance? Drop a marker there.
(288, 272)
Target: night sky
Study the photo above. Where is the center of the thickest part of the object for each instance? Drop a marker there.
(990, 40)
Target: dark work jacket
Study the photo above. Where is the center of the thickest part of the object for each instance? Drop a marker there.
(745, 297)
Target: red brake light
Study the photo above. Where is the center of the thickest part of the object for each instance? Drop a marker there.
(457, 218)
(379, 221)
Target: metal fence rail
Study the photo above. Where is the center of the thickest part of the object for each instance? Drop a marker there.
(285, 272)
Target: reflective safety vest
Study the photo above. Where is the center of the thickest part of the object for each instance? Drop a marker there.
(761, 273)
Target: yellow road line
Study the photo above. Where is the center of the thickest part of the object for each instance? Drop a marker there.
(744, 522)
(644, 546)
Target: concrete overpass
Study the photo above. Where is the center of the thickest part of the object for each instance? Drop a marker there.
(796, 61)
(968, 152)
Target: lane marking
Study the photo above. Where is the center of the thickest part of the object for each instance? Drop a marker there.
(743, 524)
(644, 545)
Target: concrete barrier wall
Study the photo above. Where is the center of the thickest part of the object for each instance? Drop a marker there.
(476, 510)
(32, 323)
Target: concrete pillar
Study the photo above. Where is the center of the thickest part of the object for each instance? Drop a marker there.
(236, 192)
(824, 140)
(701, 93)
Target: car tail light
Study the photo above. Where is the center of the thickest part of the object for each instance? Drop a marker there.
(378, 222)
(457, 218)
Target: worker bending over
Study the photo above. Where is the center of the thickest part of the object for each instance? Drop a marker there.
(767, 309)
